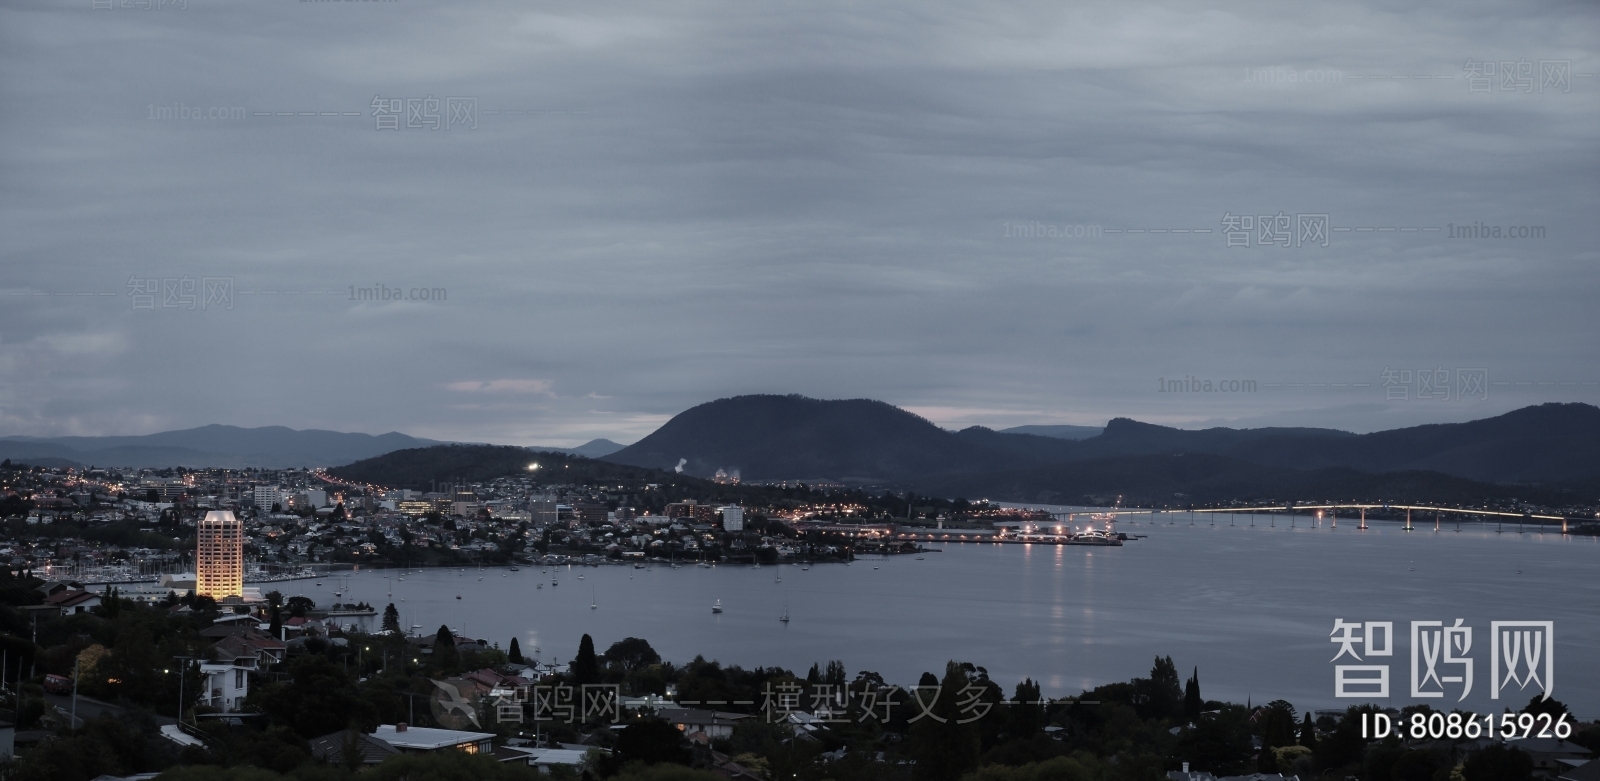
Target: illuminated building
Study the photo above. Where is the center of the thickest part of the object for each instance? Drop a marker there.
(219, 558)
(733, 518)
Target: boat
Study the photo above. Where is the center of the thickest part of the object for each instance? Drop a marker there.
(703, 564)
(594, 602)
(640, 565)
(785, 617)
(717, 608)
(514, 569)
(1094, 537)
(458, 596)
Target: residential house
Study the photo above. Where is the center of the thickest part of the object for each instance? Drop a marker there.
(702, 725)
(225, 684)
(73, 601)
(423, 739)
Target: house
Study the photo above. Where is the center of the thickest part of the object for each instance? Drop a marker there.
(706, 724)
(1586, 771)
(225, 684)
(254, 644)
(1548, 754)
(51, 588)
(73, 601)
(332, 748)
(545, 760)
(422, 739)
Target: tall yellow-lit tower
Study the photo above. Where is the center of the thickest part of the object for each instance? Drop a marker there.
(219, 560)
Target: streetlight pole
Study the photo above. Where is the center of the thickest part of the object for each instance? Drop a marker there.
(73, 722)
(183, 670)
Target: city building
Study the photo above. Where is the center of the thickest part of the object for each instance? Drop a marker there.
(265, 496)
(733, 518)
(219, 557)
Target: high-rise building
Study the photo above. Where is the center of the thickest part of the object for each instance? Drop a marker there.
(219, 559)
(733, 518)
(265, 496)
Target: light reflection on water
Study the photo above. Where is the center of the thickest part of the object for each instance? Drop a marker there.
(1252, 607)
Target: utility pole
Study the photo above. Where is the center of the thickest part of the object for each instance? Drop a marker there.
(73, 722)
(183, 671)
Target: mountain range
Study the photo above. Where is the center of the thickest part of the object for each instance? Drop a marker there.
(870, 442)
(267, 447)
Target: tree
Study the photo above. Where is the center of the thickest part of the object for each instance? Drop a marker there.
(586, 666)
(1218, 745)
(1539, 706)
(1027, 714)
(942, 745)
(445, 656)
(299, 605)
(651, 741)
(1276, 724)
(391, 619)
(319, 698)
(1308, 733)
(632, 653)
(276, 628)
(514, 655)
(1192, 704)
(1161, 695)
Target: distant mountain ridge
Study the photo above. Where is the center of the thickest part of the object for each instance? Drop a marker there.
(215, 445)
(1059, 432)
(234, 447)
(860, 440)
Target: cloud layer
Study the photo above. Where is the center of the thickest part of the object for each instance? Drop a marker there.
(585, 220)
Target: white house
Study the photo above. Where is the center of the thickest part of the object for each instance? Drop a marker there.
(226, 684)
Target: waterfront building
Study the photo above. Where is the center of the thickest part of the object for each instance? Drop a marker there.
(219, 557)
(733, 518)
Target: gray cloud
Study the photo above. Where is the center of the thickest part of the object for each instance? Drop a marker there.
(691, 203)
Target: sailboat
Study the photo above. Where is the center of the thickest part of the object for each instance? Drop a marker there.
(594, 601)
(785, 617)
(717, 608)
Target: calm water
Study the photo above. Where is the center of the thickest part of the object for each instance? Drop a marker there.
(1251, 607)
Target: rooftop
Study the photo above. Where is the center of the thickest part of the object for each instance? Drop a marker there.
(426, 738)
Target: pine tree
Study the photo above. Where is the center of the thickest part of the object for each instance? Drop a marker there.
(445, 656)
(586, 666)
(514, 655)
(391, 619)
(1308, 733)
(1192, 704)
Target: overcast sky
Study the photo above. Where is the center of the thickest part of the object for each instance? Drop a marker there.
(626, 211)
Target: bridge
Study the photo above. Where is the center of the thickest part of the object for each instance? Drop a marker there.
(1330, 512)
